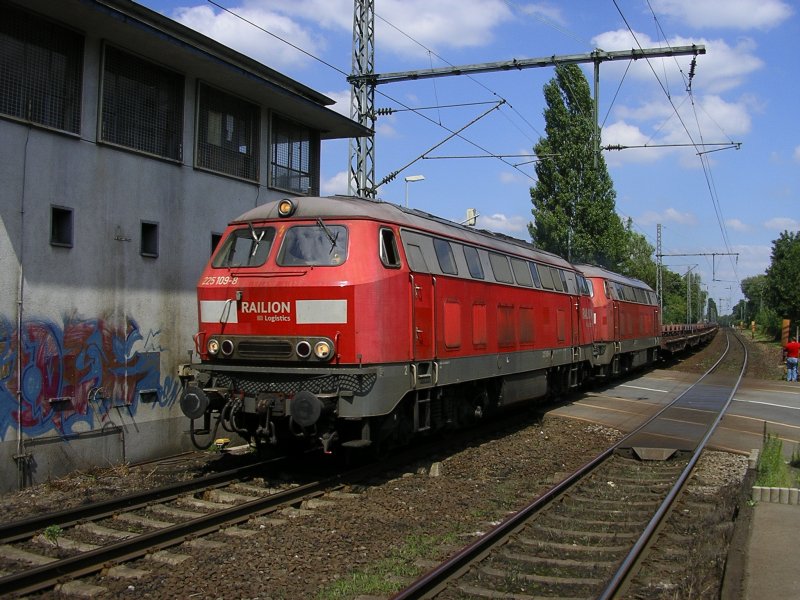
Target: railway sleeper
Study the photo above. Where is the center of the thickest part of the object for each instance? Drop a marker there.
(541, 579)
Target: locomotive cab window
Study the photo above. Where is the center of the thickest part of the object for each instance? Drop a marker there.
(245, 247)
(389, 255)
(319, 245)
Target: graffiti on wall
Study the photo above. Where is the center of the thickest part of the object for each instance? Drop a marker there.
(73, 376)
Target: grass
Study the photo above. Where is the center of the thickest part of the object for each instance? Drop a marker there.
(772, 469)
(382, 577)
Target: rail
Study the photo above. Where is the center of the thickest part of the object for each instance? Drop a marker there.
(436, 580)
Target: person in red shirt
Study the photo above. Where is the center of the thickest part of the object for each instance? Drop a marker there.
(791, 351)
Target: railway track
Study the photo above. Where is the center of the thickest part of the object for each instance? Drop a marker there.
(38, 553)
(56, 549)
(586, 536)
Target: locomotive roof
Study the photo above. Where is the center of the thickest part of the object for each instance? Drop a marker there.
(351, 207)
(595, 271)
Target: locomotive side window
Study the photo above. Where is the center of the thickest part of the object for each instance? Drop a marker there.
(583, 285)
(416, 259)
(630, 296)
(565, 279)
(473, 262)
(557, 282)
(389, 255)
(245, 247)
(500, 268)
(547, 277)
(444, 254)
(535, 274)
(314, 245)
(521, 272)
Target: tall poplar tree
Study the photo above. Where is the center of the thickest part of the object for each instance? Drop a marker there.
(573, 201)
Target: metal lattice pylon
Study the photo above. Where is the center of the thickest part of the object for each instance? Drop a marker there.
(361, 181)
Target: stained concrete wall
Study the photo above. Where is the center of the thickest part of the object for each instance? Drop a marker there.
(91, 335)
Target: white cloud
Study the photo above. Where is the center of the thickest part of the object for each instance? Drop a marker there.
(723, 67)
(669, 215)
(735, 14)
(737, 225)
(513, 225)
(404, 27)
(438, 25)
(623, 134)
(252, 41)
(335, 185)
(796, 154)
(782, 224)
(514, 177)
(544, 12)
(342, 105)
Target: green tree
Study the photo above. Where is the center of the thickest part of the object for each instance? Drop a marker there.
(713, 313)
(573, 201)
(638, 261)
(782, 291)
(753, 289)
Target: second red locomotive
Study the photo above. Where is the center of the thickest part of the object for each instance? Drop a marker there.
(349, 322)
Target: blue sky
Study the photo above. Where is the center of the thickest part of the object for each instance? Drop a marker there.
(743, 91)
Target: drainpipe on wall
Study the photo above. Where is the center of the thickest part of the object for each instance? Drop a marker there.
(21, 457)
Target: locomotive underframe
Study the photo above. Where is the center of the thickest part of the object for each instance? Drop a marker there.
(355, 405)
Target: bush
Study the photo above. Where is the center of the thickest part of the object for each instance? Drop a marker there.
(772, 470)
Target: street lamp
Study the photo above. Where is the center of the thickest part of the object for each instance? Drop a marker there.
(412, 178)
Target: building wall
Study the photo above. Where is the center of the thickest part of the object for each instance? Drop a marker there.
(91, 336)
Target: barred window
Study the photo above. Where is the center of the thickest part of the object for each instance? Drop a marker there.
(41, 66)
(142, 105)
(227, 134)
(295, 158)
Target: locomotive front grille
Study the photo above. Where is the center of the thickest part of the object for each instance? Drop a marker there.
(253, 384)
(265, 349)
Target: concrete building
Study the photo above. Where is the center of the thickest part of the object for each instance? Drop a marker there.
(128, 143)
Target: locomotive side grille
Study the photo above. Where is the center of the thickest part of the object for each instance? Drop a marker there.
(264, 349)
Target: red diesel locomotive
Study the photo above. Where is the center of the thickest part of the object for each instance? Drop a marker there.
(347, 321)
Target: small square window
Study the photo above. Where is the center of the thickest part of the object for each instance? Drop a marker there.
(61, 226)
(149, 245)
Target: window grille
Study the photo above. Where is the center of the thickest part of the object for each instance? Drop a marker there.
(295, 158)
(142, 105)
(41, 65)
(227, 134)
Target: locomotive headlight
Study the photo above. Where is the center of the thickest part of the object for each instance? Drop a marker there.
(303, 349)
(213, 347)
(286, 207)
(323, 350)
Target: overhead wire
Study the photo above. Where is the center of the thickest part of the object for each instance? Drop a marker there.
(501, 157)
(342, 72)
(703, 160)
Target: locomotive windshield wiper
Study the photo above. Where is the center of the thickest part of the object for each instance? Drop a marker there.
(327, 231)
(256, 238)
